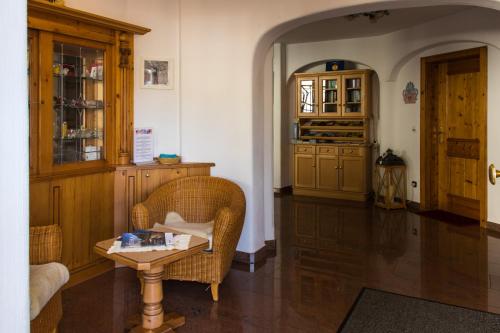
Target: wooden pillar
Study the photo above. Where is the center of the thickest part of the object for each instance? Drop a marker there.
(125, 98)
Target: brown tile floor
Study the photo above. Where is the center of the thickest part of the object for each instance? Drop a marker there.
(326, 252)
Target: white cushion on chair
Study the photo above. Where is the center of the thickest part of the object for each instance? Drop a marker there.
(204, 230)
(45, 281)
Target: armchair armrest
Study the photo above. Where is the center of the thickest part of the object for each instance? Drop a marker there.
(45, 244)
(140, 217)
(228, 224)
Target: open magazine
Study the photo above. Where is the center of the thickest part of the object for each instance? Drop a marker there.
(142, 238)
(146, 240)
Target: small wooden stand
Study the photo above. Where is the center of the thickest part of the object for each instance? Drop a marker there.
(391, 186)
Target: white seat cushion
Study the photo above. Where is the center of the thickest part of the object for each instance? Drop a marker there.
(45, 281)
(175, 222)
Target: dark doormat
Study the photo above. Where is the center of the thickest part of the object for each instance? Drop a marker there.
(379, 311)
(447, 217)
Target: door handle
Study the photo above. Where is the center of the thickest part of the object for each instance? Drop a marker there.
(493, 174)
(439, 134)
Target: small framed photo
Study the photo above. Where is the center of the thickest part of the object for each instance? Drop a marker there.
(157, 73)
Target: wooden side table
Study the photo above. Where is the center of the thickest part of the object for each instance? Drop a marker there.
(152, 264)
(391, 186)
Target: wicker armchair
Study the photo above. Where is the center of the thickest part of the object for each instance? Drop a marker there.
(45, 247)
(199, 199)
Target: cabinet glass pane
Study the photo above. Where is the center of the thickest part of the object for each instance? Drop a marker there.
(353, 95)
(78, 103)
(330, 96)
(307, 96)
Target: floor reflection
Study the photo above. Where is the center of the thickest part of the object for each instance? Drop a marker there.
(326, 252)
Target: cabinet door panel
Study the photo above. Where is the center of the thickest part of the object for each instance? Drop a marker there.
(352, 174)
(40, 204)
(86, 216)
(307, 96)
(305, 174)
(354, 95)
(330, 96)
(327, 172)
(152, 179)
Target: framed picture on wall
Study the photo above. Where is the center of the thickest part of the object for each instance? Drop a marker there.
(157, 73)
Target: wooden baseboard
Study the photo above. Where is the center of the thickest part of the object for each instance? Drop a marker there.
(268, 250)
(278, 192)
(413, 206)
(493, 227)
(89, 273)
(332, 194)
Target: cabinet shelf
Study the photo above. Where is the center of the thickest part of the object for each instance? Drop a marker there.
(333, 138)
(76, 77)
(67, 106)
(79, 138)
(335, 128)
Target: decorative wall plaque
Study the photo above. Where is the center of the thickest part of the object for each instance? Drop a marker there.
(410, 93)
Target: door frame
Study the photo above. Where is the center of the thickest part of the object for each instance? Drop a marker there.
(427, 172)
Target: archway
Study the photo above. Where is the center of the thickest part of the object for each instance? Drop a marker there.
(387, 75)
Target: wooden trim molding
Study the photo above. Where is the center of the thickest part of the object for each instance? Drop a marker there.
(413, 206)
(492, 226)
(278, 192)
(75, 14)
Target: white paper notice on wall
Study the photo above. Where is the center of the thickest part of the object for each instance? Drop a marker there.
(143, 145)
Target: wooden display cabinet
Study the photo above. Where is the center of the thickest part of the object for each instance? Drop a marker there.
(332, 156)
(80, 102)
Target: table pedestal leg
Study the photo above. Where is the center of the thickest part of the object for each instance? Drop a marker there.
(153, 319)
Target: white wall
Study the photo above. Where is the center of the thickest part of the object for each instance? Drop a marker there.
(396, 59)
(154, 108)
(14, 198)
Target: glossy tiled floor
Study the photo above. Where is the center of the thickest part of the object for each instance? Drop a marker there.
(326, 252)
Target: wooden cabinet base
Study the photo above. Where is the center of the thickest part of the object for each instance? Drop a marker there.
(332, 194)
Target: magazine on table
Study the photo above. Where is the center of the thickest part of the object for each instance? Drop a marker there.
(150, 240)
(143, 238)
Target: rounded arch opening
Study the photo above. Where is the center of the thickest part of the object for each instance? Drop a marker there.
(258, 106)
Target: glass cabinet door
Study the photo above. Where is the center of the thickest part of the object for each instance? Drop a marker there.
(78, 103)
(307, 99)
(330, 96)
(353, 104)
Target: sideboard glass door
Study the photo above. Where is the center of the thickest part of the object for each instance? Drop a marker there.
(353, 99)
(330, 96)
(307, 96)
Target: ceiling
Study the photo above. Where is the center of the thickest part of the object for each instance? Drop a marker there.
(342, 28)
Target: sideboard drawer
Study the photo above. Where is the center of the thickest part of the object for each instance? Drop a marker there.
(304, 149)
(350, 151)
(326, 150)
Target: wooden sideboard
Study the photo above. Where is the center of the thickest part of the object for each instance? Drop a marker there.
(133, 184)
(332, 171)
